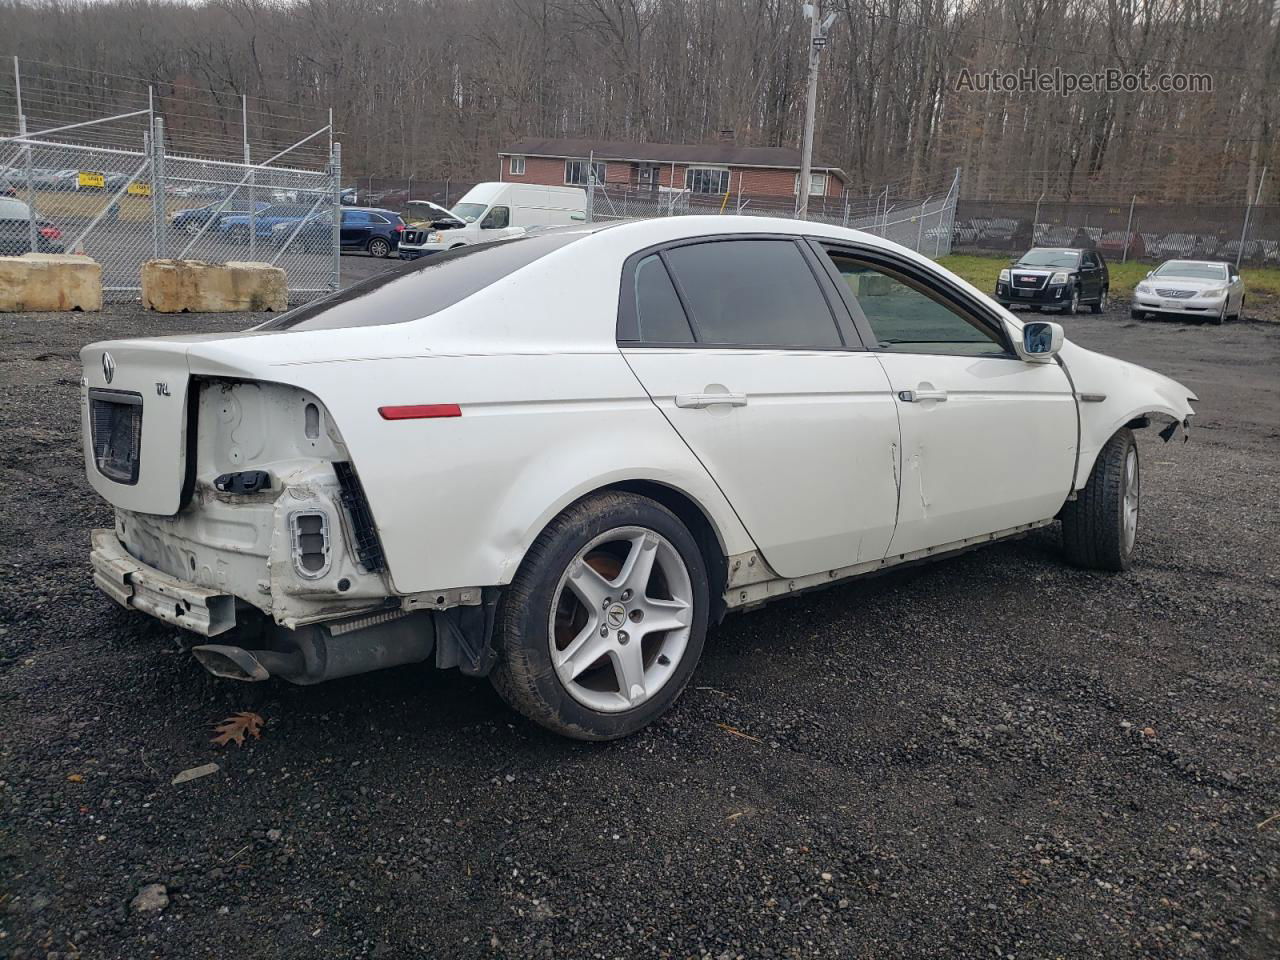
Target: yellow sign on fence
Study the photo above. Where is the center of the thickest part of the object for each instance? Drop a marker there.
(139, 189)
(89, 179)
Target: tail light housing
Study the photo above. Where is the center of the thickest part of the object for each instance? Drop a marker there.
(51, 233)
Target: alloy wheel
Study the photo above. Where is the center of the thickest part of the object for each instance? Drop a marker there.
(620, 619)
(1132, 496)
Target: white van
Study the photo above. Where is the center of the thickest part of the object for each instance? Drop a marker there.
(495, 211)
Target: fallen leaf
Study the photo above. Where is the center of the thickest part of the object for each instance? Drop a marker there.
(235, 727)
(1149, 732)
(75, 778)
(195, 772)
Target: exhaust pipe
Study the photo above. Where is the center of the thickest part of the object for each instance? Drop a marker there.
(314, 654)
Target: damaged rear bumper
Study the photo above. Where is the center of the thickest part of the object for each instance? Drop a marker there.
(458, 635)
(134, 584)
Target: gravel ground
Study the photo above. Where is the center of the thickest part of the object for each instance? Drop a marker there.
(994, 756)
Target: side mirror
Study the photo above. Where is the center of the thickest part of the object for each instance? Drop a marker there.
(1041, 341)
(1150, 272)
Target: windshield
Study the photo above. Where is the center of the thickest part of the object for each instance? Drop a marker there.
(1042, 257)
(1191, 270)
(469, 212)
(424, 286)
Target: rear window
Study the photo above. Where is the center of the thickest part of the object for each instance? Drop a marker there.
(422, 287)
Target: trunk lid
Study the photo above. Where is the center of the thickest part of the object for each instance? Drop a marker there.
(133, 400)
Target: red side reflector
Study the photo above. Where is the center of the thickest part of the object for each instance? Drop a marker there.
(421, 411)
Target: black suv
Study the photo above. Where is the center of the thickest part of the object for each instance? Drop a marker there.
(1057, 278)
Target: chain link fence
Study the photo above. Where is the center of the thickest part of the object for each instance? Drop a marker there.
(915, 217)
(1243, 234)
(123, 207)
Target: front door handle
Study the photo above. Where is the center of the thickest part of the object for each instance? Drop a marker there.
(700, 401)
(915, 396)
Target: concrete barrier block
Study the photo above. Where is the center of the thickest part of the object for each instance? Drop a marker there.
(38, 282)
(193, 286)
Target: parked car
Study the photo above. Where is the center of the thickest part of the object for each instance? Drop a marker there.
(1057, 278)
(547, 459)
(1195, 288)
(1176, 245)
(193, 219)
(15, 230)
(496, 211)
(265, 220)
(365, 229)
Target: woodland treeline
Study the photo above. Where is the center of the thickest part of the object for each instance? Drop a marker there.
(432, 88)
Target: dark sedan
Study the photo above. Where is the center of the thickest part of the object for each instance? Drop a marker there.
(1056, 278)
(15, 230)
(372, 230)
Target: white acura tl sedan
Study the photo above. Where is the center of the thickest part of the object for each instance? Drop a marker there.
(556, 459)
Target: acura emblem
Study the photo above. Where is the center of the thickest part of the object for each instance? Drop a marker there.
(108, 367)
(617, 615)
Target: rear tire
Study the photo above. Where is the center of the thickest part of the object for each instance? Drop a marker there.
(1100, 527)
(380, 248)
(575, 653)
(1101, 305)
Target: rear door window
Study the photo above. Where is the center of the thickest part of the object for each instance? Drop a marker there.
(659, 316)
(753, 293)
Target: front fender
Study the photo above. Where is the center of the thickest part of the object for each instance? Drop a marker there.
(1111, 393)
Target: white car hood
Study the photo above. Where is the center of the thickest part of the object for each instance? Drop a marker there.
(1183, 283)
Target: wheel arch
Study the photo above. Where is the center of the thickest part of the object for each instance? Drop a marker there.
(705, 532)
(718, 532)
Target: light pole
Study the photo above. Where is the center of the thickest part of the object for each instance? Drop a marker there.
(817, 42)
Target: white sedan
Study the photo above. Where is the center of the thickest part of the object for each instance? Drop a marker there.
(556, 459)
(1206, 289)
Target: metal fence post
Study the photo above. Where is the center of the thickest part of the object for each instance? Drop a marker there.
(253, 212)
(920, 226)
(335, 235)
(591, 186)
(158, 215)
(26, 151)
(1250, 203)
(1128, 230)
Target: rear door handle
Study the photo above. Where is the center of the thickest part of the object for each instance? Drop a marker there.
(700, 401)
(915, 396)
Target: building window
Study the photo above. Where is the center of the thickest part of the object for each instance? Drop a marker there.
(517, 166)
(575, 172)
(817, 184)
(706, 180)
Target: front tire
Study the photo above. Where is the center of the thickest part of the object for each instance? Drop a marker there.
(1072, 306)
(1135, 314)
(1100, 527)
(605, 620)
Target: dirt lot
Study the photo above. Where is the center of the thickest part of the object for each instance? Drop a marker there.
(997, 756)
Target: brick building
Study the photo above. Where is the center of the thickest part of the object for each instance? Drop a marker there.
(708, 169)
